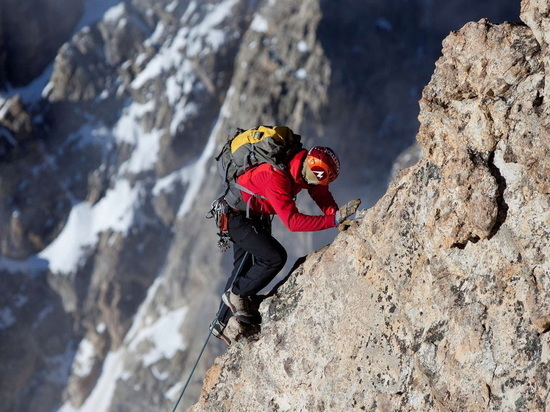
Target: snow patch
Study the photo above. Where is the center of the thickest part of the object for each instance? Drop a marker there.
(170, 8)
(302, 46)
(84, 360)
(205, 37)
(100, 328)
(102, 395)
(167, 183)
(259, 24)
(114, 212)
(157, 338)
(115, 13)
(160, 340)
(301, 74)
(174, 392)
(146, 144)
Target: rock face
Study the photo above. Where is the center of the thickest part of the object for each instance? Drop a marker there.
(439, 299)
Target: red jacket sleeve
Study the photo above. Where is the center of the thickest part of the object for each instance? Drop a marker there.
(323, 198)
(278, 195)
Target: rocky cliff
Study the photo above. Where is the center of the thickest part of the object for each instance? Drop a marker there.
(108, 269)
(439, 299)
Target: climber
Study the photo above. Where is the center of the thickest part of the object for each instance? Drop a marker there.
(258, 256)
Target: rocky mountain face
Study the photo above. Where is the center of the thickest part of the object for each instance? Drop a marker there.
(439, 299)
(110, 115)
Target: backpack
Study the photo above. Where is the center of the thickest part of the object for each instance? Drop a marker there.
(249, 148)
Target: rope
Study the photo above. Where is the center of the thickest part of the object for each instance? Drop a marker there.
(209, 334)
(193, 370)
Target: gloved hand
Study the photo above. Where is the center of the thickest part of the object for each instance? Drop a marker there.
(356, 220)
(343, 215)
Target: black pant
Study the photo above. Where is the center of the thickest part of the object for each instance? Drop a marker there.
(258, 256)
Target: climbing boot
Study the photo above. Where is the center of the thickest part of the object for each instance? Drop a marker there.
(242, 308)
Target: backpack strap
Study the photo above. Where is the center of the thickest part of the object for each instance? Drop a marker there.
(251, 193)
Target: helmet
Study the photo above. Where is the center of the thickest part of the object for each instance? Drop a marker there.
(321, 165)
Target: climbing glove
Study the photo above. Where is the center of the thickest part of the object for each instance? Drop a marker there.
(343, 215)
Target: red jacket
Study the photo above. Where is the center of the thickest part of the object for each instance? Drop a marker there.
(279, 189)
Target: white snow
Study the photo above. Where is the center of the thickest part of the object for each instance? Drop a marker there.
(189, 42)
(156, 337)
(181, 114)
(205, 37)
(174, 392)
(84, 360)
(100, 328)
(146, 144)
(301, 74)
(170, 8)
(302, 46)
(100, 398)
(115, 212)
(259, 24)
(114, 13)
(160, 340)
(166, 184)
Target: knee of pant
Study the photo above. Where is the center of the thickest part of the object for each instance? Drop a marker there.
(280, 259)
(276, 259)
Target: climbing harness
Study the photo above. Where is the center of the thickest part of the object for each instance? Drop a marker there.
(219, 211)
(247, 254)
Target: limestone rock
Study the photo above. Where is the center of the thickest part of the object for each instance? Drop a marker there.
(88, 65)
(439, 299)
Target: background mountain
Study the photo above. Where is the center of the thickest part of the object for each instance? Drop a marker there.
(110, 114)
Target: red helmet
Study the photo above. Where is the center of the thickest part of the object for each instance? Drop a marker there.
(322, 164)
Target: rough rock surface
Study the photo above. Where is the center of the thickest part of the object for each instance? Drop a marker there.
(439, 299)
